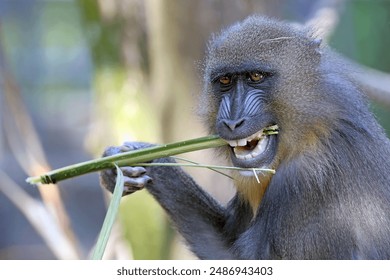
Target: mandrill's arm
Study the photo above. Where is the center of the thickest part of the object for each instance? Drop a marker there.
(197, 216)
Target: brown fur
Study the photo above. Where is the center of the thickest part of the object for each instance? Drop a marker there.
(251, 190)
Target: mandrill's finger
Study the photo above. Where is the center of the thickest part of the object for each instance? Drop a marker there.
(132, 185)
(134, 172)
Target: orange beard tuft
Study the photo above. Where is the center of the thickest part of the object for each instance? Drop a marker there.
(251, 190)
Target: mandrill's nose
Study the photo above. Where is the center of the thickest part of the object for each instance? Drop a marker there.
(233, 124)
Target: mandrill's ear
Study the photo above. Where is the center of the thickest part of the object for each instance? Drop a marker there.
(314, 49)
(316, 44)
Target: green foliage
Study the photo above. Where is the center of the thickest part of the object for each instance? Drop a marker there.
(143, 225)
(103, 37)
(363, 35)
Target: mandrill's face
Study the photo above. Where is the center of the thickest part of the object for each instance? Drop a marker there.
(254, 93)
(243, 117)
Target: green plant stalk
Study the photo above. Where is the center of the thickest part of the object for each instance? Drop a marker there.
(135, 157)
(127, 158)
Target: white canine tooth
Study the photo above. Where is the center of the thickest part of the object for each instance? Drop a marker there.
(262, 145)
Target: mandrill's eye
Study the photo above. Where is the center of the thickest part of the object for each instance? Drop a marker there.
(256, 77)
(225, 80)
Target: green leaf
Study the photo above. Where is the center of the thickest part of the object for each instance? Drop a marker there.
(110, 217)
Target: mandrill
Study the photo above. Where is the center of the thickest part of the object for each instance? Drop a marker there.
(330, 196)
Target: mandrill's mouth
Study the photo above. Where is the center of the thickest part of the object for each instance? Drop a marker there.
(250, 147)
(255, 151)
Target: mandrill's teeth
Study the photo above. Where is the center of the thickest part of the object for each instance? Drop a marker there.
(242, 142)
(232, 143)
(242, 153)
(252, 146)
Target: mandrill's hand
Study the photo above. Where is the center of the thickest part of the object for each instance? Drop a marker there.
(135, 178)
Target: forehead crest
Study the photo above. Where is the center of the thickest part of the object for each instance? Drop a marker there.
(258, 39)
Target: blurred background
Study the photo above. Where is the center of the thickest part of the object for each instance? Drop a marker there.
(79, 75)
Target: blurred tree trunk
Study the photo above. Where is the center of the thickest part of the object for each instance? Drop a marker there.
(171, 80)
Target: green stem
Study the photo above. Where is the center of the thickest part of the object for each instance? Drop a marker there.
(136, 157)
(127, 158)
